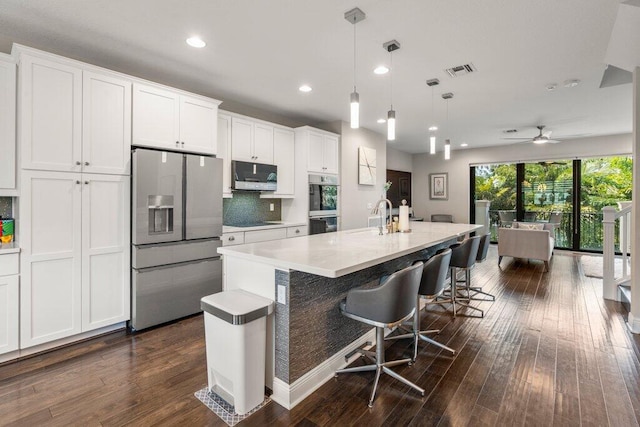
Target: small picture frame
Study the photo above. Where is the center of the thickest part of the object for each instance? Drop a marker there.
(439, 186)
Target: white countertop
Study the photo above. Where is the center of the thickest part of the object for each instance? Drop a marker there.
(268, 225)
(9, 248)
(337, 254)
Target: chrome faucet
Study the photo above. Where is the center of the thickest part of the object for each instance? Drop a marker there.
(376, 210)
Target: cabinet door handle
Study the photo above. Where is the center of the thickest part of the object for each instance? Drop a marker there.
(177, 143)
(86, 182)
(297, 231)
(231, 239)
(86, 163)
(78, 163)
(77, 182)
(182, 143)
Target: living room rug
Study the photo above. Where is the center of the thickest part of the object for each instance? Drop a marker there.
(222, 409)
(592, 266)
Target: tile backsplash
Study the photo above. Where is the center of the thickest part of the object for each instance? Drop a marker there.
(246, 207)
(6, 207)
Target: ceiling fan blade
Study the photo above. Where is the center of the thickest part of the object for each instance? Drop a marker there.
(553, 141)
(520, 139)
(547, 133)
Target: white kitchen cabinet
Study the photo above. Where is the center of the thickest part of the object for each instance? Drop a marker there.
(264, 235)
(9, 303)
(322, 149)
(198, 124)
(50, 121)
(106, 124)
(224, 152)
(230, 239)
(105, 251)
(301, 230)
(73, 120)
(75, 255)
(7, 127)
(251, 141)
(166, 119)
(284, 159)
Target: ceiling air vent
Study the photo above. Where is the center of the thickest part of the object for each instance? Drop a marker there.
(510, 131)
(461, 70)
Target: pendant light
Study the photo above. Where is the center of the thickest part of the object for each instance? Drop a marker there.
(432, 137)
(354, 16)
(390, 46)
(447, 142)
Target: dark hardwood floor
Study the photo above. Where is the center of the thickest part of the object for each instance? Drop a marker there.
(549, 351)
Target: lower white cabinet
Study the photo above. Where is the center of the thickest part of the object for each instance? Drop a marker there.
(255, 236)
(75, 260)
(9, 303)
(264, 235)
(230, 239)
(298, 231)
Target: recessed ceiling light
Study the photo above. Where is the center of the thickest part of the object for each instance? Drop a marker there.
(551, 87)
(464, 144)
(571, 83)
(196, 42)
(433, 128)
(381, 69)
(382, 120)
(305, 88)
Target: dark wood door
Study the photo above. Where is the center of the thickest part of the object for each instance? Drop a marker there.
(400, 187)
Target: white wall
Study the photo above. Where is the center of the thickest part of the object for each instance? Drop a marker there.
(399, 160)
(461, 160)
(355, 197)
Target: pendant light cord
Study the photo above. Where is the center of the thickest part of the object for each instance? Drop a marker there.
(391, 78)
(354, 53)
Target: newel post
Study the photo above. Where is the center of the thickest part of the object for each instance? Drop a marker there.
(482, 216)
(609, 288)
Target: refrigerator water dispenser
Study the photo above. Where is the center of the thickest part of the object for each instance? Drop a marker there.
(160, 214)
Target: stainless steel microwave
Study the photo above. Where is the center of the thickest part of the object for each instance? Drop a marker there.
(253, 176)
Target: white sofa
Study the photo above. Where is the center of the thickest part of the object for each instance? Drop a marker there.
(523, 241)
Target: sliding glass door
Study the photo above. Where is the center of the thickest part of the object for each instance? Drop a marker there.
(605, 181)
(547, 195)
(567, 193)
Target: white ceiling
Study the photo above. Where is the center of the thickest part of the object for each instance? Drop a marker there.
(260, 52)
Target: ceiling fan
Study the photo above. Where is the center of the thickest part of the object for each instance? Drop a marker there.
(541, 138)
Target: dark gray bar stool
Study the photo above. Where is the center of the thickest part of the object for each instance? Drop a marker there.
(483, 250)
(384, 306)
(463, 257)
(434, 277)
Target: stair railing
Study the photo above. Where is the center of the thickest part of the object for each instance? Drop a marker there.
(611, 215)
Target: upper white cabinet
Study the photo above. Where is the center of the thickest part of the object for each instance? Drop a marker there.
(75, 264)
(73, 120)
(7, 126)
(251, 141)
(166, 119)
(50, 115)
(106, 124)
(224, 152)
(284, 159)
(322, 150)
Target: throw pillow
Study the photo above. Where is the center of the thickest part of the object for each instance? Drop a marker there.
(531, 226)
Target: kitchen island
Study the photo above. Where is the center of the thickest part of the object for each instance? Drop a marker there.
(308, 276)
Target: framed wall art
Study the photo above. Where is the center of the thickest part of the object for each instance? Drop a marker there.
(366, 166)
(439, 186)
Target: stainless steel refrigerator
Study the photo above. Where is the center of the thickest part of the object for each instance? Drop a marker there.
(176, 228)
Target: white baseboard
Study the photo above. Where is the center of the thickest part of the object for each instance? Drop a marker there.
(61, 342)
(289, 395)
(633, 323)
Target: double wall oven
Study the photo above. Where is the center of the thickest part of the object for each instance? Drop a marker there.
(323, 204)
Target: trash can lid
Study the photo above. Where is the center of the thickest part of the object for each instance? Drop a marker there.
(237, 307)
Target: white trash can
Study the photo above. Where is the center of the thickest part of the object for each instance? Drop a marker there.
(235, 332)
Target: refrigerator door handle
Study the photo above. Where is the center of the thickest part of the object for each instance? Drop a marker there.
(179, 264)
